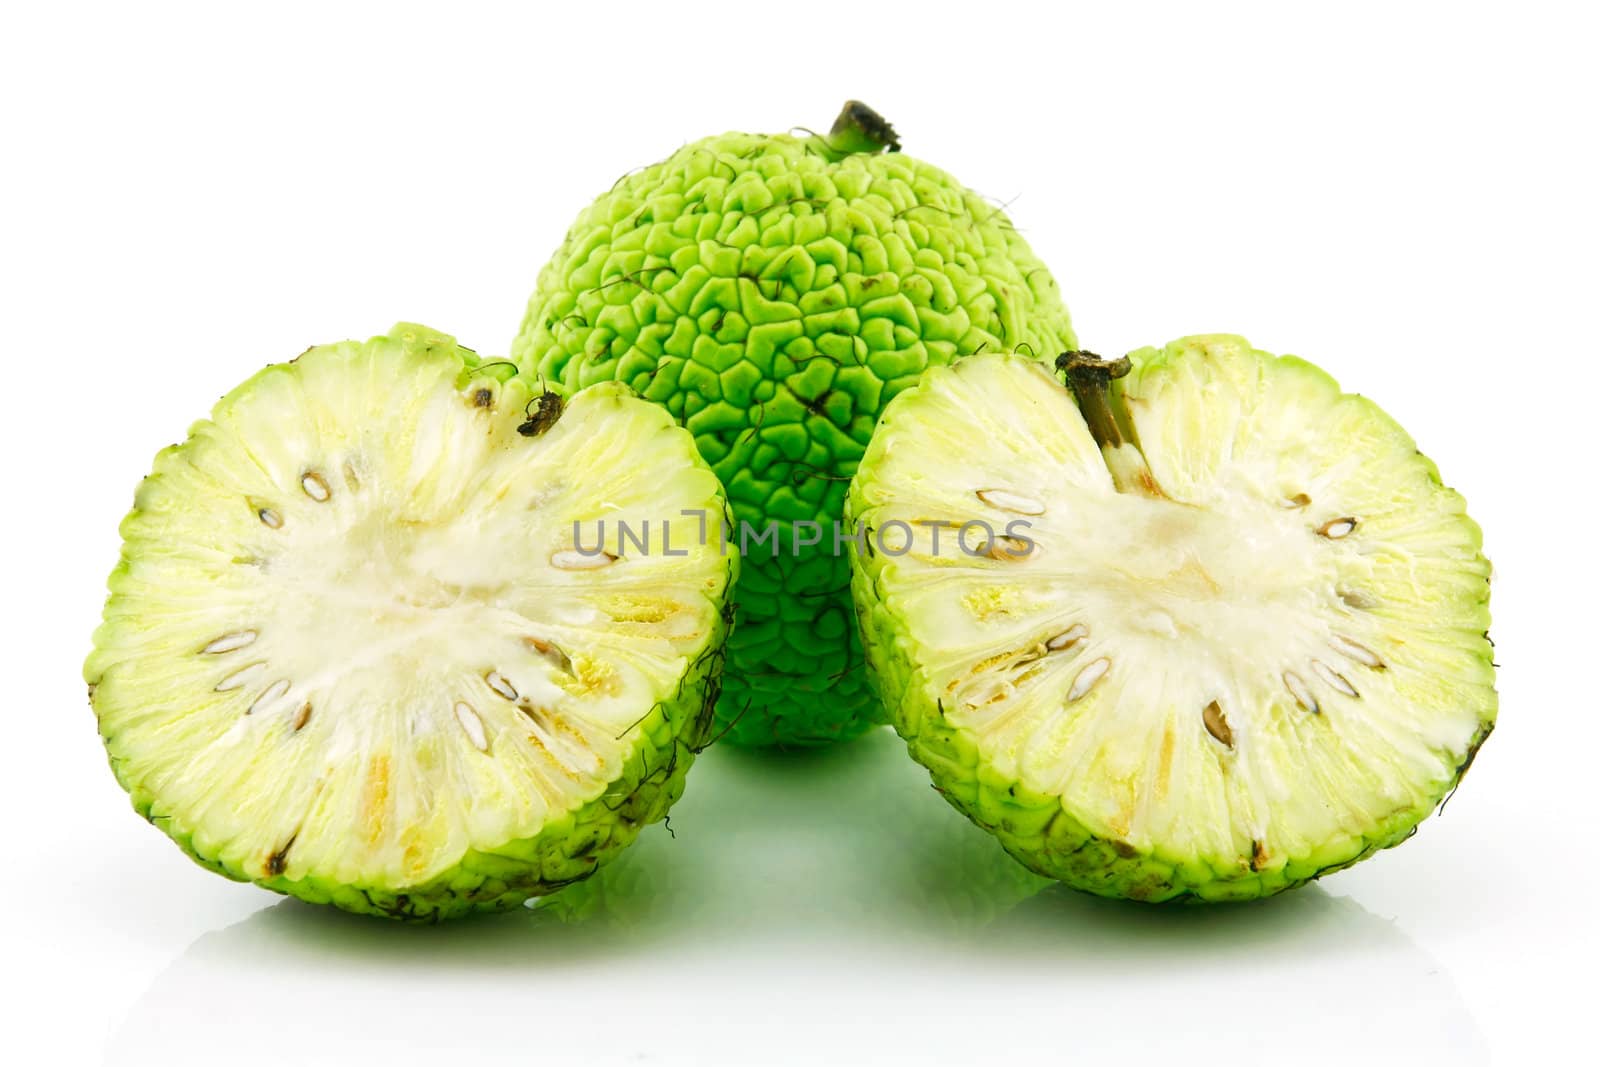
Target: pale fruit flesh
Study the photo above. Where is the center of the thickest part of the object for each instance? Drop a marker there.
(1246, 645)
(353, 653)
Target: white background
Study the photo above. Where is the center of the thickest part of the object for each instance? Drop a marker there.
(1403, 193)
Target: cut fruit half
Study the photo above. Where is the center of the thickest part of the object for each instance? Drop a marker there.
(1217, 634)
(398, 630)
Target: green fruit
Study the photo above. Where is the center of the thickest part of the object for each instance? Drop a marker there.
(774, 292)
(1226, 631)
(352, 653)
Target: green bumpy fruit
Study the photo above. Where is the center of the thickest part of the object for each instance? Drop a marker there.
(1224, 630)
(352, 652)
(774, 293)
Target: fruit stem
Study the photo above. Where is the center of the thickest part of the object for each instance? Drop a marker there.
(1090, 377)
(859, 129)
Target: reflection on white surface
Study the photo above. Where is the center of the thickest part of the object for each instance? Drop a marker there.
(807, 900)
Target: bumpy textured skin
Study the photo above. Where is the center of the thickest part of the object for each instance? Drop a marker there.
(564, 851)
(1033, 826)
(1038, 833)
(775, 295)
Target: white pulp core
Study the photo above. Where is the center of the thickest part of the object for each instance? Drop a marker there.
(1232, 583)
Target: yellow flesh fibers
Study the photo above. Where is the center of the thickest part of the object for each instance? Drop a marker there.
(1280, 645)
(343, 622)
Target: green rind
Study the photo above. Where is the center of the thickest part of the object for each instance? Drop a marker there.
(564, 851)
(774, 296)
(1033, 827)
